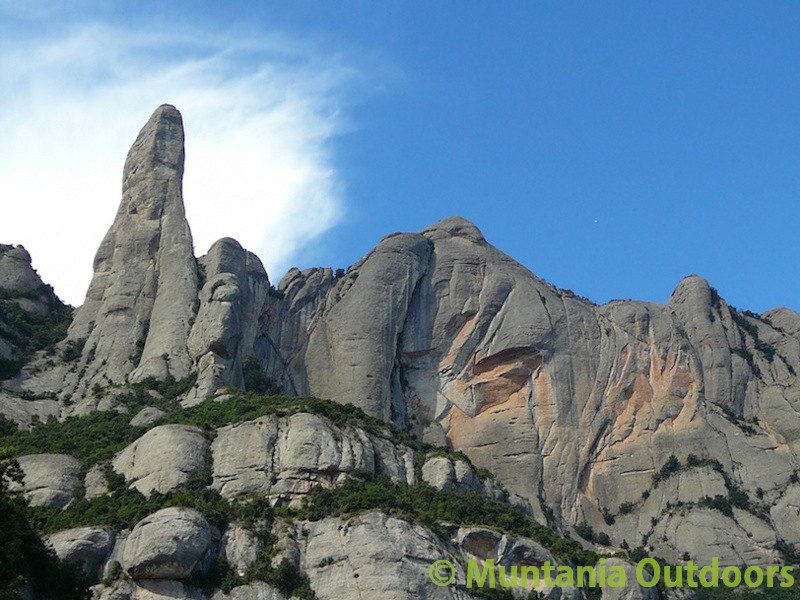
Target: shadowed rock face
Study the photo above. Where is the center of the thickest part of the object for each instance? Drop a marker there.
(576, 408)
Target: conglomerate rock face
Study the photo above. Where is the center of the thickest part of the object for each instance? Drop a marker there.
(575, 407)
(672, 426)
(285, 457)
(136, 318)
(231, 303)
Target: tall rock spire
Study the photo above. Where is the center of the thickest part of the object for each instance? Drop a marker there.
(138, 309)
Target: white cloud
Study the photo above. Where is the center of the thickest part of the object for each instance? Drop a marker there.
(259, 113)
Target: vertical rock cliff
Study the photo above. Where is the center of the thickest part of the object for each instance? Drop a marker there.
(135, 319)
(137, 315)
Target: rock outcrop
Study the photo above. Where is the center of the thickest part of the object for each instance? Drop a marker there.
(25, 412)
(95, 483)
(240, 548)
(445, 474)
(31, 318)
(572, 406)
(633, 590)
(138, 310)
(231, 303)
(49, 479)
(374, 554)
(285, 457)
(163, 458)
(20, 283)
(84, 548)
(149, 415)
(169, 544)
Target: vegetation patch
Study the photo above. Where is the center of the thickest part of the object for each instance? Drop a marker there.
(255, 378)
(427, 506)
(24, 559)
(29, 332)
(672, 466)
(741, 319)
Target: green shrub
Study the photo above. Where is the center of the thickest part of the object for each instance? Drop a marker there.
(718, 502)
(7, 426)
(91, 438)
(124, 507)
(73, 350)
(626, 508)
(585, 531)
(255, 378)
(285, 577)
(603, 539)
(9, 368)
(168, 388)
(673, 465)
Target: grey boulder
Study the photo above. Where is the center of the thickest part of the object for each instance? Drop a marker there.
(375, 555)
(149, 415)
(49, 479)
(240, 548)
(84, 548)
(170, 544)
(284, 457)
(163, 458)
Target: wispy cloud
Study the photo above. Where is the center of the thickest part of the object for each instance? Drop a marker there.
(260, 116)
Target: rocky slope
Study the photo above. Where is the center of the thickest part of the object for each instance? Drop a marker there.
(672, 427)
(184, 509)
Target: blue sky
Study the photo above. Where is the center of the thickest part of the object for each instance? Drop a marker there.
(612, 148)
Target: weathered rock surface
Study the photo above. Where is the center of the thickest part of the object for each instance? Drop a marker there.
(163, 458)
(31, 319)
(25, 412)
(572, 406)
(156, 589)
(231, 303)
(21, 283)
(84, 548)
(49, 479)
(354, 343)
(506, 551)
(284, 457)
(169, 544)
(136, 318)
(445, 474)
(148, 416)
(633, 590)
(95, 483)
(240, 548)
(253, 591)
(374, 555)
(740, 539)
